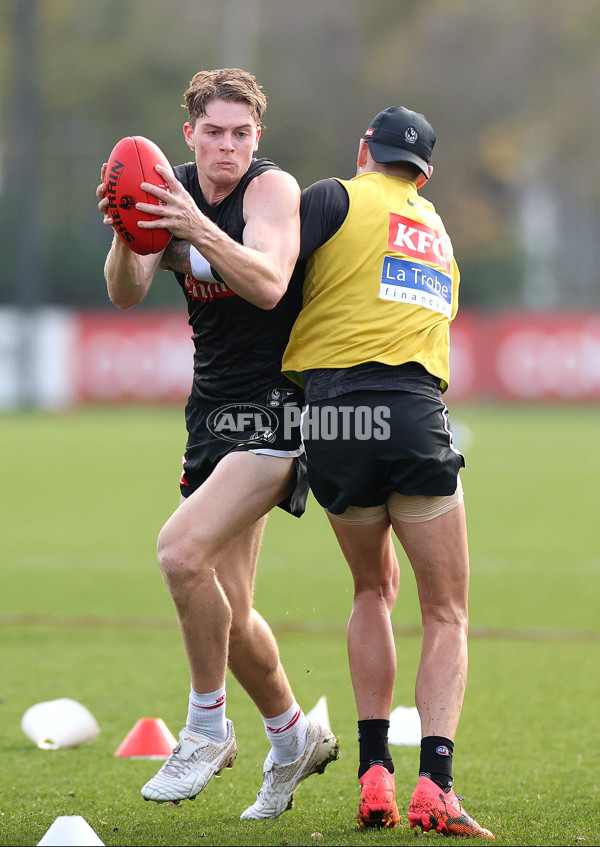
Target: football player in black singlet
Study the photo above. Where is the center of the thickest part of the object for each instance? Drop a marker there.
(244, 453)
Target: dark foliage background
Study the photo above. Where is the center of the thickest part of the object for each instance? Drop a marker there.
(511, 88)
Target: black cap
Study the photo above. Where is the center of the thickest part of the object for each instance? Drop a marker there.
(399, 135)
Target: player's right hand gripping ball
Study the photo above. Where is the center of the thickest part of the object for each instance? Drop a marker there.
(132, 162)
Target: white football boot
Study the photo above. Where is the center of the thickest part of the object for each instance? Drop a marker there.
(187, 771)
(280, 781)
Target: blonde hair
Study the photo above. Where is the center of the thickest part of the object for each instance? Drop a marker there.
(224, 84)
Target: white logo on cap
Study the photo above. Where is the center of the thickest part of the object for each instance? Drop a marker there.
(411, 135)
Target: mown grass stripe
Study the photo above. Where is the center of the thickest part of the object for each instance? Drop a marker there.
(290, 627)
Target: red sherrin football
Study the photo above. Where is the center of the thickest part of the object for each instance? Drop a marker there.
(132, 162)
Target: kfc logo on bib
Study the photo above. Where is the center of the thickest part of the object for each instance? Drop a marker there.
(413, 238)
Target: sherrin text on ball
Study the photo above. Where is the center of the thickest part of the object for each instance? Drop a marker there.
(132, 161)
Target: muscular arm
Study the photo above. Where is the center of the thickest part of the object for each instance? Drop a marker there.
(128, 275)
(259, 269)
(323, 209)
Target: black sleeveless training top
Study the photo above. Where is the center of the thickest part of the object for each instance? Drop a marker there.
(237, 346)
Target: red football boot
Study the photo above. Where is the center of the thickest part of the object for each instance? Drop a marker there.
(432, 808)
(377, 799)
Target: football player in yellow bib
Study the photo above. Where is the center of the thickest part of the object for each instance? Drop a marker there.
(371, 348)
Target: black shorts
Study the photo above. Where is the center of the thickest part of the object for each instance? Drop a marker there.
(216, 429)
(363, 445)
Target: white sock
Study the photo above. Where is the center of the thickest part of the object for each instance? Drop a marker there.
(287, 734)
(206, 714)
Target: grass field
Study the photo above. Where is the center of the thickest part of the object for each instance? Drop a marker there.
(84, 614)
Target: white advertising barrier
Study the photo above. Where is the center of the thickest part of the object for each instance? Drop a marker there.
(35, 350)
(56, 358)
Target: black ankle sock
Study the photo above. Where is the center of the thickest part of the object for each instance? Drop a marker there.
(373, 745)
(436, 760)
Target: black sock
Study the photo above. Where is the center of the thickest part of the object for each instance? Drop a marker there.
(373, 745)
(436, 760)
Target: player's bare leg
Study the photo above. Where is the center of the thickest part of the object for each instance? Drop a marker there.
(254, 661)
(371, 556)
(438, 552)
(253, 652)
(223, 518)
(217, 529)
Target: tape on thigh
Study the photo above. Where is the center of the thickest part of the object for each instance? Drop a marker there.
(360, 516)
(418, 509)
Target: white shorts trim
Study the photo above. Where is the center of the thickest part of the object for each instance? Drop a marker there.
(280, 454)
